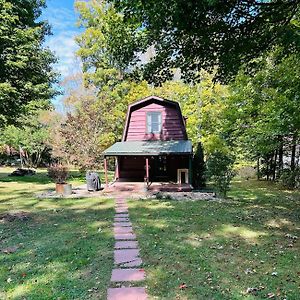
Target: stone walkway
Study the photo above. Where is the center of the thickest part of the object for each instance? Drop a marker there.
(126, 258)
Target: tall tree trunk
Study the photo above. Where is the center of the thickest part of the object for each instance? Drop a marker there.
(275, 165)
(258, 168)
(293, 154)
(268, 168)
(280, 156)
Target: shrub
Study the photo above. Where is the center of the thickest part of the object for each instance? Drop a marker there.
(290, 179)
(58, 173)
(220, 171)
(198, 168)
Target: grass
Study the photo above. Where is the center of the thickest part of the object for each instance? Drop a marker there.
(58, 248)
(239, 249)
(41, 177)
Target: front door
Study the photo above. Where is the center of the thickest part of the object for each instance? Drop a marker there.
(160, 169)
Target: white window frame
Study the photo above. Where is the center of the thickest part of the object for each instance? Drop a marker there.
(150, 122)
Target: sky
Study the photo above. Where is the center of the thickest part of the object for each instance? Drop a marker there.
(62, 18)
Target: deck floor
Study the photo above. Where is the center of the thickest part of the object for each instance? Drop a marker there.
(123, 186)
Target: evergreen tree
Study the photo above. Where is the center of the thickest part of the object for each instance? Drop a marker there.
(26, 74)
(198, 168)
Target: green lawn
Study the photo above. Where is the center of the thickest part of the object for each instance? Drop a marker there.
(60, 248)
(240, 249)
(63, 248)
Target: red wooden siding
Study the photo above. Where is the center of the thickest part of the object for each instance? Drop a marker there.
(172, 128)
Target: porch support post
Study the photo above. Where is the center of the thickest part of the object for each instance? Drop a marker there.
(190, 169)
(105, 171)
(147, 170)
(117, 174)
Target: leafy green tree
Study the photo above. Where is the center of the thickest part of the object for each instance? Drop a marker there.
(195, 35)
(220, 171)
(263, 116)
(32, 140)
(102, 40)
(26, 74)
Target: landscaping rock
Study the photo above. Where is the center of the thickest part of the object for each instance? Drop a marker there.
(185, 196)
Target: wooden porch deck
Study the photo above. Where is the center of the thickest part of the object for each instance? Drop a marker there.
(139, 187)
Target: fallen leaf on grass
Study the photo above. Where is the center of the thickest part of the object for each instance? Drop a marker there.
(292, 237)
(254, 290)
(249, 271)
(270, 295)
(183, 286)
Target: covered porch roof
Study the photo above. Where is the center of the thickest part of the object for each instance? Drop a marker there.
(147, 148)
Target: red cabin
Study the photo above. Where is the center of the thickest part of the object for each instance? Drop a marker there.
(155, 146)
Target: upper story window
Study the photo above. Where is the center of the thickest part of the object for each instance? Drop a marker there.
(154, 122)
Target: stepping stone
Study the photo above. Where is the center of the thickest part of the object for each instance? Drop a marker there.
(121, 207)
(122, 215)
(122, 230)
(125, 236)
(126, 245)
(122, 224)
(127, 258)
(121, 210)
(135, 263)
(127, 293)
(120, 202)
(127, 275)
(123, 219)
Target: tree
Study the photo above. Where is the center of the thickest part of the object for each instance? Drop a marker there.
(263, 116)
(195, 35)
(26, 74)
(220, 171)
(102, 41)
(31, 139)
(94, 119)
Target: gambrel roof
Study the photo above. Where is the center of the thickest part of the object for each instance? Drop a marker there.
(146, 101)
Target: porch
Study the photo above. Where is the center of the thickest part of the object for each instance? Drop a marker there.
(167, 163)
(139, 187)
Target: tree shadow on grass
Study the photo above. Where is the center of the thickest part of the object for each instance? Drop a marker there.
(41, 177)
(60, 251)
(218, 250)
